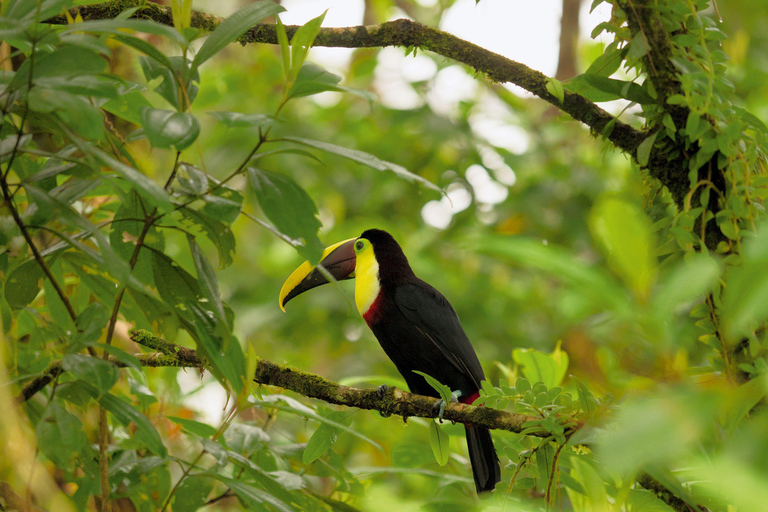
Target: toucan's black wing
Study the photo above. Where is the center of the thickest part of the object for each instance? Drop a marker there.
(433, 315)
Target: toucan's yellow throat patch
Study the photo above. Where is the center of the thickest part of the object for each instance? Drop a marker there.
(367, 284)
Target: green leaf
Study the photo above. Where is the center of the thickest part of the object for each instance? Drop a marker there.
(126, 414)
(193, 492)
(296, 407)
(285, 50)
(555, 88)
(688, 280)
(644, 149)
(593, 285)
(174, 80)
(79, 115)
(83, 85)
(627, 238)
(219, 347)
(621, 89)
(150, 190)
(544, 459)
(540, 367)
(240, 120)
(245, 439)
(195, 428)
(23, 284)
(101, 374)
(745, 297)
(607, 63)
(90, 324)
(439, 442)
(442, 389)
(320, 442)
(65, 59)
(253, 497)
(290, 208)
(143, 46)
(233, 27)
(128, 106)
(217, 232)
(61, 437)
(638, 47)
(206, 278)
(312, 79)
(166, 128)
(300, 43)
(593, 486)
(191, 179)
(127, 225)
(365, 159)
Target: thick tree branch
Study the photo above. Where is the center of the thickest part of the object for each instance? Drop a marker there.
(644, 19)
(392, 401)
(407, 33)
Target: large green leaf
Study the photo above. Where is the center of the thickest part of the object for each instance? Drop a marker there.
(154, 193)
(745, 297)
(192, 494)
(325, 435)
(166, 128)
(23, 284)
(233, 27)
(128, 106)
(61, 438)
(312, 79)
(627, 238)
(73, 110)
(97, 372)
(253, 497)
(240, 120)
(300, 42)
(126, 414)
(178, 82)
(364, 158)
(297, 407)
(439, 442)
(206, 279)
(540, 367)
(598, 288)
(245, 438)
(217, 232)
(290, 208)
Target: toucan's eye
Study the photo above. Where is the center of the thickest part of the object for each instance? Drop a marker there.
(359, 245)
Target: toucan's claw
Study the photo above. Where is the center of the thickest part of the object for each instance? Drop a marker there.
(381, 391)
(440, 404)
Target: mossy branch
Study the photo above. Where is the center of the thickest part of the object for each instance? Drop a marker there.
(407, 33)
(392, 401)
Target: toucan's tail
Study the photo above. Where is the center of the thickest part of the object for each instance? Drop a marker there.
(482, 455)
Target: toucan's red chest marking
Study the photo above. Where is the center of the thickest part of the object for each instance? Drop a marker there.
(375, 311)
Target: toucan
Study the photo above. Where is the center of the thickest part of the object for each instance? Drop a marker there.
(414, 323)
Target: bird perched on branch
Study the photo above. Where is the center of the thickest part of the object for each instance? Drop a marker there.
(415, 325)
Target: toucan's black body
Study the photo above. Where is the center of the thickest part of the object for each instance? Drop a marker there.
(419, 330)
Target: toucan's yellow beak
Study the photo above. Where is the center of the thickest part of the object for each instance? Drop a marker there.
(338, 260)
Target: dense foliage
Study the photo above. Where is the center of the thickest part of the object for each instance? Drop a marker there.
(160, 177)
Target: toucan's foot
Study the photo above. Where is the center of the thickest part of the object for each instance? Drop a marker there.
(381, 391)
(440, 404)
